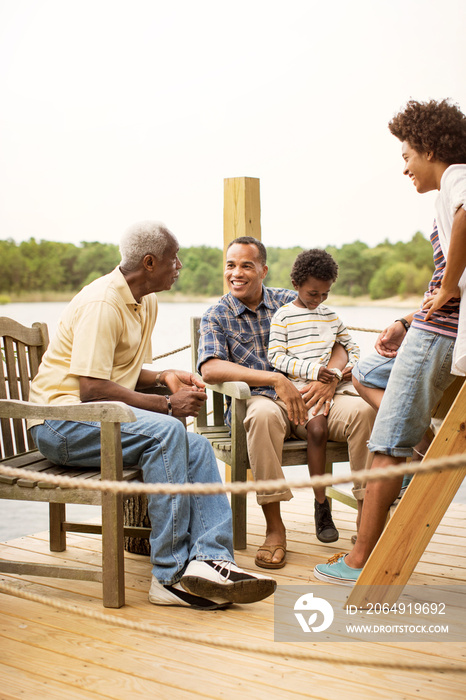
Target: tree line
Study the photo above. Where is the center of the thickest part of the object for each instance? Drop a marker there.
(385, 270)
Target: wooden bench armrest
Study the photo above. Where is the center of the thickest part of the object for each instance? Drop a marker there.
(101, 411)
(236, 390)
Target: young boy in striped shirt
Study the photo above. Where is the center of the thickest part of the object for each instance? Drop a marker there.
(302, 335)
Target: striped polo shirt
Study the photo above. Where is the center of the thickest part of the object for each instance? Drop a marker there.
(444, 321)
(301, 340)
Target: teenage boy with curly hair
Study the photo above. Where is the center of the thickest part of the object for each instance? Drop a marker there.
(418, 355)
(303, 333)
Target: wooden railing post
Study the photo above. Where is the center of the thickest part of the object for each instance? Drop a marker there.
(241, 211)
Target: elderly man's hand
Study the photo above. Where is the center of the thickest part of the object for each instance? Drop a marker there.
(187, 402)
(177, 379)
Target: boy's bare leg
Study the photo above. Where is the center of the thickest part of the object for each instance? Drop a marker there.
(372, 395)
(317, 435)
(358, 516)
(377, 500)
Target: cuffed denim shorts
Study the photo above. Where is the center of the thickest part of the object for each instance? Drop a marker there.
(414, 382)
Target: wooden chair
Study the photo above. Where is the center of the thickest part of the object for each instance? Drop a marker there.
(21, 350)
(230, 446)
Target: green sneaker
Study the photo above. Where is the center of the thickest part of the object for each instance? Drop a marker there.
(336, 571)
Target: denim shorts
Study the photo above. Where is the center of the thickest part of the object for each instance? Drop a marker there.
(374, 370)
(414, 382)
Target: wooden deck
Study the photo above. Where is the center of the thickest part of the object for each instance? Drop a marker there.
(46, 653)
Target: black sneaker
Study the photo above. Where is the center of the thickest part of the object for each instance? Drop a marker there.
(223, 579)
(176, 595)
(325, 527)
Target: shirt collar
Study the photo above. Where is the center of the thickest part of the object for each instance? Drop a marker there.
(238, 306)
(123, 288)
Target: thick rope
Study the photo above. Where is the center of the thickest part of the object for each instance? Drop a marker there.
(366, 330)
(171, 352)
(240, 487)
(282, 650)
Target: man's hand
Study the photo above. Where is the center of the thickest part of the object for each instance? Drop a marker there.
(317, 395)
(177, 379)
(187, 402)
(188, 393)
(287, 392)
(389, 341)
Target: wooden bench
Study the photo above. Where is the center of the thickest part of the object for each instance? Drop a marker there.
(21, 350)
(230, 446)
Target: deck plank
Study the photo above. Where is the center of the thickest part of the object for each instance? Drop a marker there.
(81, 658)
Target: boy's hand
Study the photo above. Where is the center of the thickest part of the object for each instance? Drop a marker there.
(390, 339)
(326, 375)
(348, 374)
(439, 298)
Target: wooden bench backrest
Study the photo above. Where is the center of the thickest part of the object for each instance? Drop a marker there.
(21, 350)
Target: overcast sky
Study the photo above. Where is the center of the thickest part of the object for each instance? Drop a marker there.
(112, 112)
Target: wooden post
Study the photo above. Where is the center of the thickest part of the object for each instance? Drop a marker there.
(241, 211)
(241, 217)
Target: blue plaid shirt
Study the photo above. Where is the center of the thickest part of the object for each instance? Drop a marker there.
(230, 331)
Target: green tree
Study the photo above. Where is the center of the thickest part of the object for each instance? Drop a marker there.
(11, 267)
(280, 261)
(389, 279)
(96, 259)
(385, 270)
(356, 265)
(202, 272)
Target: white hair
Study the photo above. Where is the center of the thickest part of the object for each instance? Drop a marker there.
(143, 238)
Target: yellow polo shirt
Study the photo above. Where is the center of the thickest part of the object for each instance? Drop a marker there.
(103, 333)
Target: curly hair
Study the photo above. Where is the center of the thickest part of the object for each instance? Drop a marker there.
(315, 263)
(437, 127)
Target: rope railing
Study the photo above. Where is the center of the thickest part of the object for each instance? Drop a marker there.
(284, 651)
(185, 347)
(240, 487)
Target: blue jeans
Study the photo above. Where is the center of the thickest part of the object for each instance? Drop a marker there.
(415, 381)
(184, 527)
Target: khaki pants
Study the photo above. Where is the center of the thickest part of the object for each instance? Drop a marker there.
(267, 426)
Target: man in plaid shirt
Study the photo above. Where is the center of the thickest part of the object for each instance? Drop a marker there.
(233, 347)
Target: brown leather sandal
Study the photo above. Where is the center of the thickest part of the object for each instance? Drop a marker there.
(271, 564)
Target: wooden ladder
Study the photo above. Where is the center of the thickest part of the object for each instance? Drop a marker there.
(419, 512)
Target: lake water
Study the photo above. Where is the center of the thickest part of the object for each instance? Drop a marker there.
(172, 331)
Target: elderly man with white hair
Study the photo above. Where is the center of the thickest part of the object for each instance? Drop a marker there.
(103, 340)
